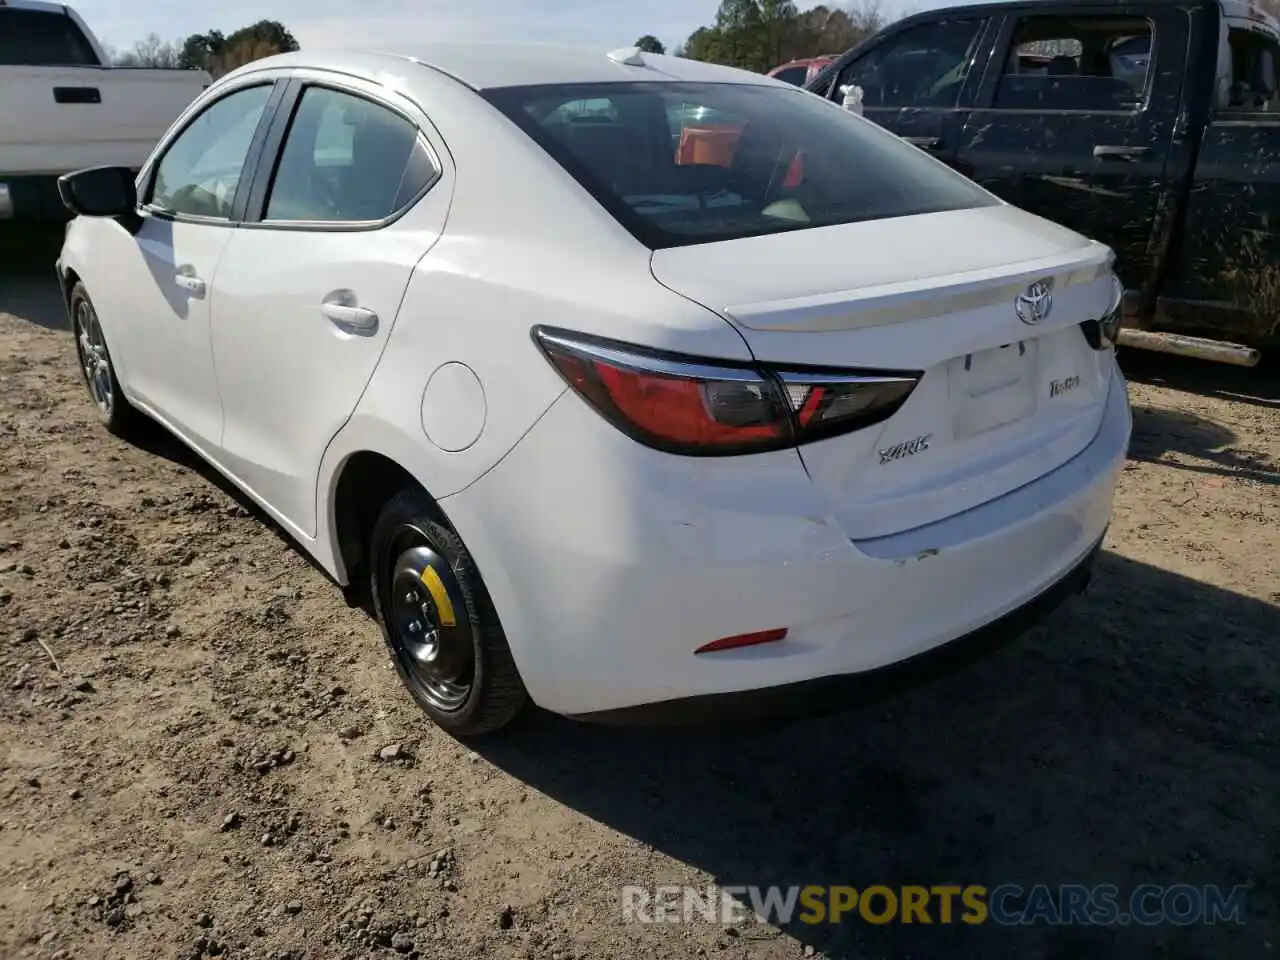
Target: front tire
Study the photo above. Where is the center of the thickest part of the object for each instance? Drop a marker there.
(96, 369)
(438, 621)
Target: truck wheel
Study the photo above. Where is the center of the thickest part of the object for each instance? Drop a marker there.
(439, 622)
(115, 412)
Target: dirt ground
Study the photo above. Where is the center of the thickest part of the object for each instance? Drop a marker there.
(191, 723)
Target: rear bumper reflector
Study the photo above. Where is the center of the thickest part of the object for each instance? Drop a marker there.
(743, 640)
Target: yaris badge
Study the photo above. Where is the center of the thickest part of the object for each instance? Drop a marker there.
(1034, 305)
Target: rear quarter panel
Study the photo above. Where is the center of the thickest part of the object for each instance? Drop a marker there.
(524, 245)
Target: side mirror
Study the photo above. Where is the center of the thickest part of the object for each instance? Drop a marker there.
(99, 192)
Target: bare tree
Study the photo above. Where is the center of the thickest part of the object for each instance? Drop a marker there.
(153, 53)
(867, 16)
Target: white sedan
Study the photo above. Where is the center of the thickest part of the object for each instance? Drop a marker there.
(629, 385)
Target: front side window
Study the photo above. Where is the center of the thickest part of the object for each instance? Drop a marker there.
(200, 171)
(39, 38)
(923, 66)
(700, 162)
(1076, 63)
(347, 159)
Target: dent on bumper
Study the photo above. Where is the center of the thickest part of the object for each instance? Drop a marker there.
(607, 582)
(829, 693)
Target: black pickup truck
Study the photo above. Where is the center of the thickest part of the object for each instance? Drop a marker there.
(1152, 126)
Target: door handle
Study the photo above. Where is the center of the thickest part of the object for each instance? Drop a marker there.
(925, 143)
(77, 95)
(342, 310)
(192, 284)
(1104, 151)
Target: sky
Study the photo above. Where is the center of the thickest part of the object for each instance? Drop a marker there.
(394, 24)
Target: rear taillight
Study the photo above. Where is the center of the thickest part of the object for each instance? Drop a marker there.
(1104, 333)
(700, 407)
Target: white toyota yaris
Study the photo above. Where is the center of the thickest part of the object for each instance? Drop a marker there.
(626, 382)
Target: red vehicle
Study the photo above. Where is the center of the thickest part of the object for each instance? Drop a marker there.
(800, 72)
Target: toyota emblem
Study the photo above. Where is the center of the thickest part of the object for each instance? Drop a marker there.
(1034, 305)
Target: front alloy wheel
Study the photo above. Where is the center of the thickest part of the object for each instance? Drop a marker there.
(96, 369)
(95, 363)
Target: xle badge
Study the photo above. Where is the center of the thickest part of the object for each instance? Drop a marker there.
(1059, 387)
(908, 449)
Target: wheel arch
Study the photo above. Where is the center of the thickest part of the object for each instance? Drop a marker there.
(364, 466)
(356, 479)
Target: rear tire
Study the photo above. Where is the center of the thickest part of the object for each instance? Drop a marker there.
(96, 369)
(438, 621)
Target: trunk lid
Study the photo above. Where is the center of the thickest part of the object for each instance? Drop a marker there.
(1001, 401)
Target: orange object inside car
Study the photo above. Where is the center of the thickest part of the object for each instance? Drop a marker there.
(714, 144)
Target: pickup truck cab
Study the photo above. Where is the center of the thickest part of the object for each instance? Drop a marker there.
(1152, 126)
(63, 107)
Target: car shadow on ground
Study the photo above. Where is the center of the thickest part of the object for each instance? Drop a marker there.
(28, 288)
(1159, 432)
(1257, 386)
(155, 440)
(34, 299)
(1131, 739)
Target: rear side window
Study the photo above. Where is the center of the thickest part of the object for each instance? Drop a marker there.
(1077, 63)
(347, 159)
(1254, 57)
(796, 75)
(35, 38)
(690, 163)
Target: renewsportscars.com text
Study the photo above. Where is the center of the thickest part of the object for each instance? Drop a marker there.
(974, 904)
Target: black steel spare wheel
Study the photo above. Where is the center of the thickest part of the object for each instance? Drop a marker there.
(435, 647)
(438, 620)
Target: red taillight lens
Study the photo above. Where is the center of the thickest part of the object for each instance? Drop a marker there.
(710, 408)
(826, 404)
(675, 405)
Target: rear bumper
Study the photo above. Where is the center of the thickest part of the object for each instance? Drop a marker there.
(609, 565)
(825, 694)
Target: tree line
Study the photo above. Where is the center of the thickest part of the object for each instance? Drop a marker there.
(750, 34)
(759, 35)
(214, 51)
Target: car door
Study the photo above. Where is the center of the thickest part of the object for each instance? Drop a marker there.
(352, 192)
(154, 286)
(916, 80)
(1073, 124)
(1222, 277)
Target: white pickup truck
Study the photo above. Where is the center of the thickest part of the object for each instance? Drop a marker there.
(63, 107)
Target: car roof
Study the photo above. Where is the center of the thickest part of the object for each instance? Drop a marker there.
(44, 6)
(484, 66)
(1053, 6)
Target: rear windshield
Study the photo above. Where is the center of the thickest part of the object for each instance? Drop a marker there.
(36, 38)
(683, 163)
